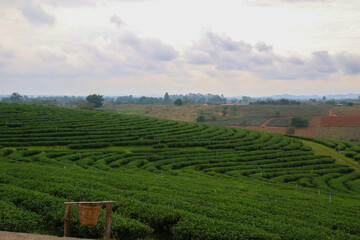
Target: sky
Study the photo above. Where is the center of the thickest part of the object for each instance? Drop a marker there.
(149, 47)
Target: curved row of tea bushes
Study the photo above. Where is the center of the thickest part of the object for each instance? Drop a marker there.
(180, 206)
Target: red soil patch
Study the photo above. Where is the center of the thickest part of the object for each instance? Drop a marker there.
(307, 132)
(315, 121)
(331, 112)
(340, 121)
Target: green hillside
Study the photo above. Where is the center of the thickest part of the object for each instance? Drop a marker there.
(172, 180)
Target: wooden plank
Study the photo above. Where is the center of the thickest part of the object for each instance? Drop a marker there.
(67, 221)
(108, 220)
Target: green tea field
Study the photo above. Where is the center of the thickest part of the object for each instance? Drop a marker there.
(171, 179)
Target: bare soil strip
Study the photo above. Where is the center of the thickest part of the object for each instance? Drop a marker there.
(331, 112)
(266, 122)
(340, 158)
(28, 236)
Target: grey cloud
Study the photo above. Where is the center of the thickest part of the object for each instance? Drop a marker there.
(50, 55)
(348, 63)
(323, 62)
(198, 58)
(226, 54)
(72, 3)
(6, 56)
(262, 47)
(54, 3)
(117, 20)
(36, 14)
(6, 53)
(150, 48)
(295, 60)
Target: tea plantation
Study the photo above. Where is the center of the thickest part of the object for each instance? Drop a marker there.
(172, 180)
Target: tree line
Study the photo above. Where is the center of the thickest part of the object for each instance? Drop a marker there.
(97, 100)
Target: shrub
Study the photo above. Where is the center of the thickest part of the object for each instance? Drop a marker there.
(299, 122)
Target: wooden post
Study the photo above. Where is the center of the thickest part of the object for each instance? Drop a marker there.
(67, 220)
(108, 220)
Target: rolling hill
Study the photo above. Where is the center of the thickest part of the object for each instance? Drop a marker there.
(171, 179)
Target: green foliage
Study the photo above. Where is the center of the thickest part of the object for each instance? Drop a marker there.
(181, 181)
(279, 122)
(200, 118)
(299, 122)
(95, 99)
(178, 102)
(331, 102)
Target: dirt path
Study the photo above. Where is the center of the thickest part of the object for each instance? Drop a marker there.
(266, 122)
(27, 236)
(340, 158)
(331, 112)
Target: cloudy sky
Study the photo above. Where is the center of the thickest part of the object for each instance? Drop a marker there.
(149, 47)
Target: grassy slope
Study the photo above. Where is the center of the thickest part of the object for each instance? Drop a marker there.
(183, 204)
(340, 158)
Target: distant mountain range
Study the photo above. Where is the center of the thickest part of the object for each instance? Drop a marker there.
(285, 96)
(307, 97)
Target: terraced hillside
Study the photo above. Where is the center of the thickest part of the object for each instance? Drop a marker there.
(171, 179)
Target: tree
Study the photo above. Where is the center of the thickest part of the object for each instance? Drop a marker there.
(16, 97)
(96, 99)
(299, 122)
(331, 102)
(200, 118)
(246, 99)
(178, 102)
(166, 98)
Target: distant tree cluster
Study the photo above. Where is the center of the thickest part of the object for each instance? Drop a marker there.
(299, 122)
(198, 98)
(331, 102)
(191, 98)
(276, 102)
(344, 103)
(98, 100)
(43, 100)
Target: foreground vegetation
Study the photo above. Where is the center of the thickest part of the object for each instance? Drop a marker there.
(171, 179)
